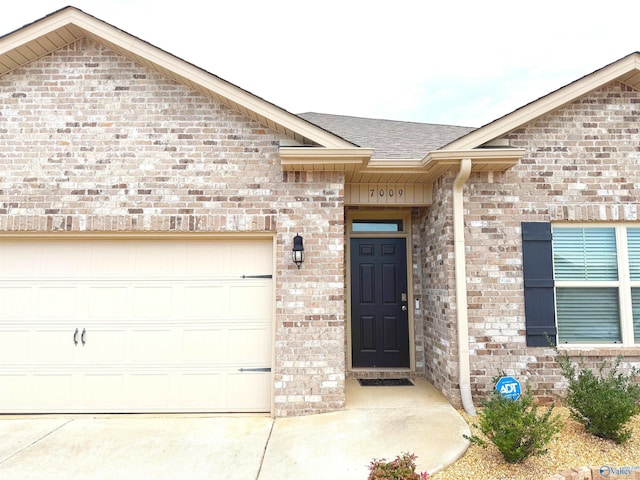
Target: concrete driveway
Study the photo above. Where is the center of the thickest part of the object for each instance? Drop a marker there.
(133, 447)
(377, 422)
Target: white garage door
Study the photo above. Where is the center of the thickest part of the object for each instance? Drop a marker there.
(135, 325)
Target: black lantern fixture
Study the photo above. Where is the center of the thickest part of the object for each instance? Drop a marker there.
(298, 250)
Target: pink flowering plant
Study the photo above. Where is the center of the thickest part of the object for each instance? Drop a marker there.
(402, 468)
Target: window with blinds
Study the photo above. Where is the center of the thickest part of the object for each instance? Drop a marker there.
(633, 249)
(597, 281)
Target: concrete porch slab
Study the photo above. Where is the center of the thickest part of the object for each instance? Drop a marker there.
(378, 422)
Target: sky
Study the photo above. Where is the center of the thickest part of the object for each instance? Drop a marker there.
(435, 61)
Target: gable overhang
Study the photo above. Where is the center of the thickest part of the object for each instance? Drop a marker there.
(69, 25)
(625, 70)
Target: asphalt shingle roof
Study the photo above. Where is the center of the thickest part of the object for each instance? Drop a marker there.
(390, 138)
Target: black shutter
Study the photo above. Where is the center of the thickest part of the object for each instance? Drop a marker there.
(537, 266)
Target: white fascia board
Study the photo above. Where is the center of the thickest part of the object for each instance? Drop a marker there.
(485, 154)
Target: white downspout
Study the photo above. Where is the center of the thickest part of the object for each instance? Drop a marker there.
(461, 286)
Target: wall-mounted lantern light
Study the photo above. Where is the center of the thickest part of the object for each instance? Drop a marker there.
(298, 250)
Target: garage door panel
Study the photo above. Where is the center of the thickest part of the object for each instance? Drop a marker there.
(106, 346)
(167, 326)
(152, 302)
(250, 346)
(53, 345)
(252, 390)
(62, 258)
(14, 346)
(155, 259)
(150, 346)
(251, 299)
(55, 391)
(200, 259)
(251, 259)
(107, 259)
(148, 392)
(15, 389)
(205, 345)
(102, 391)
(16, 302)
(107, 302)
(56, 302)
(205, 389)
(205, 301)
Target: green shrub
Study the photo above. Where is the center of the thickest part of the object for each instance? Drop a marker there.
(515, 427)
(402, 468)
(603, 403)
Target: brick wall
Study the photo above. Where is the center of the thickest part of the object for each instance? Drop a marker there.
(434, 239)
(310, 304)
(582, 163)
(92, 142)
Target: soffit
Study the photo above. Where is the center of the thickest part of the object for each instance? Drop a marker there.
(358, 168)
(69, 25)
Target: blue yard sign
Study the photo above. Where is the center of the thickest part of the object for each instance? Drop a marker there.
(509, 387)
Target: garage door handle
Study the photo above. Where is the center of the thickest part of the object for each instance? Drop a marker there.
(75, 337)
(84, 332)
(263, 369)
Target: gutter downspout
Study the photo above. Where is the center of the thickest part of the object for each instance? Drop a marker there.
(461, 286)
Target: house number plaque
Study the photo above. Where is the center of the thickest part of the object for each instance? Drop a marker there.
(388, 194)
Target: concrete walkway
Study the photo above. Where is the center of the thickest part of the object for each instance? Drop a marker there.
(377, 422)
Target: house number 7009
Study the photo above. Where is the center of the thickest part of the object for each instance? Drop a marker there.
(386, 192)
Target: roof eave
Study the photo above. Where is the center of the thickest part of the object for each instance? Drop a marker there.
(434, 165)
(324, 159)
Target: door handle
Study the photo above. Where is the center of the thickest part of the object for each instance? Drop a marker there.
(84, 332)
(404, 308)
(75, 337)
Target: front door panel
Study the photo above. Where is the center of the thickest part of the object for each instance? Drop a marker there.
(379, 307)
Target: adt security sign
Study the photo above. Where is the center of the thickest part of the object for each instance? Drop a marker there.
(509, 387)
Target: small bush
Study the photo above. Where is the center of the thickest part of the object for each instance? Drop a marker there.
(402, 468)
(515, 427)
(602, 403)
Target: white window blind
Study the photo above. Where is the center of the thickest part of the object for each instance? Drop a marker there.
(587, 286)
(633, 246)
(588, 315)
(585, 254)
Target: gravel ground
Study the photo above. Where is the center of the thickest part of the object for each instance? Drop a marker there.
(572, 447)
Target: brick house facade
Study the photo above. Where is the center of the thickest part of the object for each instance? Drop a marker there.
(104, 143)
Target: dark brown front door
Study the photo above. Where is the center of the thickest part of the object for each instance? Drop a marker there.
(379, 316)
